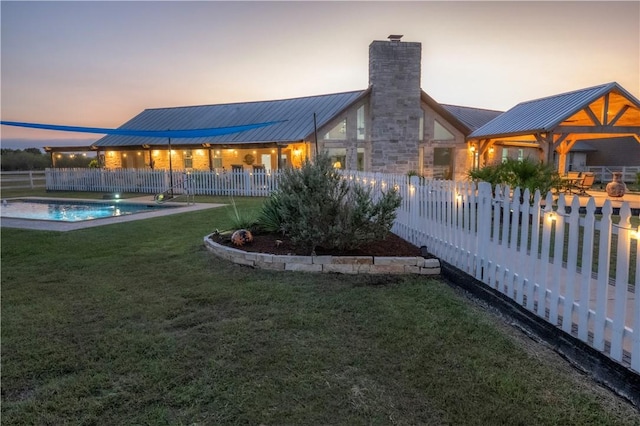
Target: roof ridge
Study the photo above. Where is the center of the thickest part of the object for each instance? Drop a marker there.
(599, 86)
(257, 102)
(480, 109)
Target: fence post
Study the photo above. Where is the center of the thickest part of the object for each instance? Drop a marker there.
(484, 227)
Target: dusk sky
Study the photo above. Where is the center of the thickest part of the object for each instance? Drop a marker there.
(98, 64)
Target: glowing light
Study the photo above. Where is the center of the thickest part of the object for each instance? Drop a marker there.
(551, 217)
(472, 148)
(636, 234)
(273, 151)
(491, 150)
(155, 153)
(139, 154)
(199, 152)
(124, 155)
(255, 152)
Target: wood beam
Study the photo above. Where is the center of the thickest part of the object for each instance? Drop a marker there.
(619, 130)
(620, 113)
(559, 140)
(592, 116)
(605, 110)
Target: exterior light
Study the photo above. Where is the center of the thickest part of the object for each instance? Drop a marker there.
(491, 150)
(124, 155)
(337, 165)
(139, 154)
(472, 148)
(551, 217)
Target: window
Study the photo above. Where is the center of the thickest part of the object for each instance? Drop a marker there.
(443, 163)
(188, 159)
(338, 157)
(440, 133)
(520, 154)
(421, 127)
(360, 123)
(339, 132)
(505, 154)
(360, 159)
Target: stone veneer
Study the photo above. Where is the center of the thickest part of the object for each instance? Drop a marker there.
(339, 264)
(394, 78)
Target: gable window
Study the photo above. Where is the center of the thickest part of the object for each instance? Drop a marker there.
(440, 133)
(339, 132)
(360, 123)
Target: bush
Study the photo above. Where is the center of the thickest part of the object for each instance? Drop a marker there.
(524, 174)
(316, 207)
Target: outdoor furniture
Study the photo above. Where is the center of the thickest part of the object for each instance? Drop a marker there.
(569, 181)
(586, 182)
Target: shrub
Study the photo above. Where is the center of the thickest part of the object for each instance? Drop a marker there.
(240, 220)
(316, 207)
(524, 174)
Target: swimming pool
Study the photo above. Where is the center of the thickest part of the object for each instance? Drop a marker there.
(73, 211)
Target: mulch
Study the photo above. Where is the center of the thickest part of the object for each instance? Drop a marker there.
(392, 245)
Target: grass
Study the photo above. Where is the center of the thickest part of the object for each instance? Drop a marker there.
(136, 323)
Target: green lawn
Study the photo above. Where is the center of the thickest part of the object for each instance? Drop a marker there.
(137, 323)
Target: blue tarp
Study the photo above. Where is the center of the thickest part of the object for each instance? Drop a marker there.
(187, 133)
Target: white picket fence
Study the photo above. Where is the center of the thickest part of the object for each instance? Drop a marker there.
(199, 182)
(577, 270)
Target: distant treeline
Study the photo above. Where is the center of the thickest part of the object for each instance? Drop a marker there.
(34, 159)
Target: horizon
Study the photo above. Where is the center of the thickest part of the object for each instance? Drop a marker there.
(98, 64)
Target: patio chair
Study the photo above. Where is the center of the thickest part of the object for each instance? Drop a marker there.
(585, 183)
(567, 182)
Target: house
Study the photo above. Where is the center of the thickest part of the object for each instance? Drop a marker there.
(392, 126)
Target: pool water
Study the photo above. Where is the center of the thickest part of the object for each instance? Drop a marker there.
(72, 211)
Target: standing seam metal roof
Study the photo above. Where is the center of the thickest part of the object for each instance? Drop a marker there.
(543, 115)
(473, 118)
(297, 112)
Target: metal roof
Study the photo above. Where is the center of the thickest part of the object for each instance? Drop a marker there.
(543, 115)
(473, 118)
(297, 114)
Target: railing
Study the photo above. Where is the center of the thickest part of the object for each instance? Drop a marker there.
(253, 184)
(604, 174)
(17, 180)
(574, 270)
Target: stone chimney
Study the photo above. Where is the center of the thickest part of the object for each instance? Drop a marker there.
(394, 77)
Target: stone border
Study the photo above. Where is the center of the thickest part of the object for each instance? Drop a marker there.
(339, 264)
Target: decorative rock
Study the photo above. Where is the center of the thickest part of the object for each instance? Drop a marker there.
(241, 237)
(616, 188)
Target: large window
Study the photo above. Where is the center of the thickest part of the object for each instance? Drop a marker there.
(443, 163)
(338, 157)
(360, 123)
(421, 126)
(360, 159)
(339, 132)
(440, 133)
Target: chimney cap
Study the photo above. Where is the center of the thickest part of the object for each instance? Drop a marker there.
(394, 37)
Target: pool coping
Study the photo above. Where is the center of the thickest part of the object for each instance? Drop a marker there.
(49, 225)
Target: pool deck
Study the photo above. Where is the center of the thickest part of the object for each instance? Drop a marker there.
(49, 225)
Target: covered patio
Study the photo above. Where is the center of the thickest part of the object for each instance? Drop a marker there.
(548, 128)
